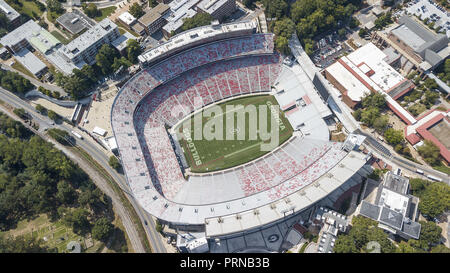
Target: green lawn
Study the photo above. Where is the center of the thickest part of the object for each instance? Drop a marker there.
(442, 168)
(211, 155)
(19, 67)
(105, 13)
(60, 37)
(120, 25)
(28, 8)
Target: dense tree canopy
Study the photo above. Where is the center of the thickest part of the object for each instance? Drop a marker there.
(283, 30)
(37, 178)
(91, 10)
(429, 152)
(133, 50)
(198, 20)
(393, 136)
(14, 82)
(21, 244)
(105, 58)
(102, 229)
(136, 10)
(363, 231)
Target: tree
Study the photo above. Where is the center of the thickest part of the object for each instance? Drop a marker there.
(198, 20)
(393, 136)
(65, 194)
(55, 6)
(430, 233)
(21, 244)
(152, 3)
(440, 249)
(52, 115)
(133, 50)
(91, 10)
(284, 27)
(114, 162)
(342, 32)
(59, 135)
(429, 152)
(362, 32)
(381, 123)
(430, 98)
(136, 10)
(418, 186)
(404, 247)
(435, 199)
(41, 109)
(105, 58)
(345, 244)
(119, 62)
(369, 115)
(374, 99)
(78, 221)
(102, 229)
(21, 113)
(14, 82)
(282, 44)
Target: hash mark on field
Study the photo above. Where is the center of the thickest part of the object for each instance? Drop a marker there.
(246, 148)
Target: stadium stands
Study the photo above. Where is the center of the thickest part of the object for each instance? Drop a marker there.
(163, 94)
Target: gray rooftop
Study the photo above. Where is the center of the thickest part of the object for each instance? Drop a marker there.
(421, 39)
(75, 21)
(391, 218)
(24, 31)
(211, 6)
(121, 42)
(396, 183)
(30, 61)
(412, 229)
(179, 10)
(10, 13)
(89, 38)
(370, 210)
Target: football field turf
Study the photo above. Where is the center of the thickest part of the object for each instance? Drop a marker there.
(205, 155)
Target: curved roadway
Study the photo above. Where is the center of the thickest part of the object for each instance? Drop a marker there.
(45, 123)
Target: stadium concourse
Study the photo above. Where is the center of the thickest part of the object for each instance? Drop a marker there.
(236, 61)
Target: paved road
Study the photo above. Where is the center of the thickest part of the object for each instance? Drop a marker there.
(380, 149)
(101, 183)
(44, 122)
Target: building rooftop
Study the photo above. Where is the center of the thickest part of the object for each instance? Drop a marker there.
(393, 207)
(396, 183)
(10, 13)
(89, 38)
(36, 35)
(211, 6)
(24, 31)
(121, 42)
(179, 10)
(127, 18)
(75, 21)
(154, 14)
(422, 40)
(365, 70)
(30, 61)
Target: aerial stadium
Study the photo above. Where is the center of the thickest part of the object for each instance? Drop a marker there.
(225, 187)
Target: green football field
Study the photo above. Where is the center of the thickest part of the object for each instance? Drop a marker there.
(204, 155)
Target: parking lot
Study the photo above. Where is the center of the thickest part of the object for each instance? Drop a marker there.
(330, 47)
(434, 12)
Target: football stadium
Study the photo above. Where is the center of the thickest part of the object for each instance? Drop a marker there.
(226, 185)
